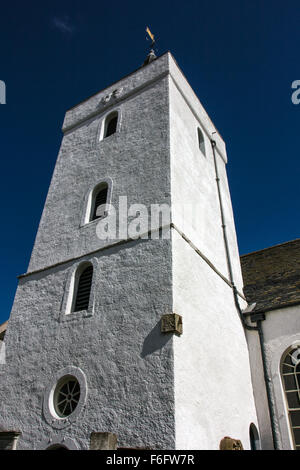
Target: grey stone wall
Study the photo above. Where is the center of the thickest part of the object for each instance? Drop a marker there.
(126, 360)
(136, 158)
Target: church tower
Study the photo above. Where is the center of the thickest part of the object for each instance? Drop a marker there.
(126, 320)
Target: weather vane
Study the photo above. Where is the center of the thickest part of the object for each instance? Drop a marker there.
(151, 56)
(151, 36)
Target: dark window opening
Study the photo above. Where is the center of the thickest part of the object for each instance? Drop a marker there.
(57, 447)
(252, 439)
(100, 202)
(84, 289)
(201, 141)
(111, 125)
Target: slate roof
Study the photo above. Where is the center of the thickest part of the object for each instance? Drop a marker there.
(272, 276)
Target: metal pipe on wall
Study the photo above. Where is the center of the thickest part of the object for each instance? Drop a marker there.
(258, 326)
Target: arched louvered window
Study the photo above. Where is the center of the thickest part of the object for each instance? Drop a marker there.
(111, 123)
(290, 372)
(201, 141)
(83, 289)
(99, 201)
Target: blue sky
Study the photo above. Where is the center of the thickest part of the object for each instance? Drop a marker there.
(240, 57)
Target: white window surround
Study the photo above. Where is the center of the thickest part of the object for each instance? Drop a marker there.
(89, 200)
(48, 402)
(279, 392)
(2, 352)
(67, 312)
(59, 441)
(103, 124)
(291, 359)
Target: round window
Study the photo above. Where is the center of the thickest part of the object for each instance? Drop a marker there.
(66, 396)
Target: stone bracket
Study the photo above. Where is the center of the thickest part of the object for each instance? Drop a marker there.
(103, 441)
(171, 323)
(227, 443)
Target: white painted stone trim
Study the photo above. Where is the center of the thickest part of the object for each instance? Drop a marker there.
(66, 313)
(48, 405)
(88, 200)
(2, 352)
(102, 124)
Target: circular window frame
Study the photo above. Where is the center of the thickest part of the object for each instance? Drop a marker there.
(69, 397)
(49, 408)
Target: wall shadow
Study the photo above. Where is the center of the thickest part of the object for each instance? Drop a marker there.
(155, 340)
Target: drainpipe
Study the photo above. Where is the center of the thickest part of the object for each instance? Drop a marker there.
(258, 318)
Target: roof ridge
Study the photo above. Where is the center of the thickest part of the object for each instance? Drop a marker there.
(271, 247)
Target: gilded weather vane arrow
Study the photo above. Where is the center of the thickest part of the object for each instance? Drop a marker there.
(151, 56)
(151, 36)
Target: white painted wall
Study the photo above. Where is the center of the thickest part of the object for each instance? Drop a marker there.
(213, 387)
(281, 331)
(193, 178)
